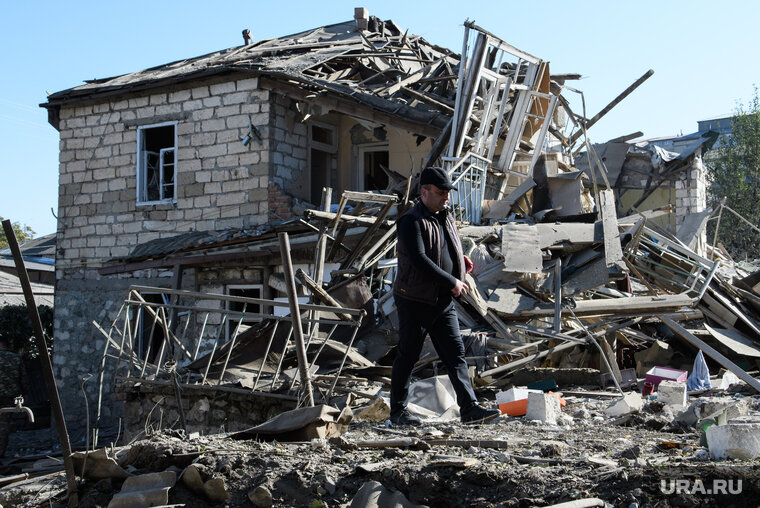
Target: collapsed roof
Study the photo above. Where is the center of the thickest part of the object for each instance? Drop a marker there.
(397, 73)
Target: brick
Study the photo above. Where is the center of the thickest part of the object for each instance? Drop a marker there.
(146, 112)
(212, 125)
(200, 92)
(228, 111)
(212, 188)
(212, 102)
(238, 122)
(82, 110)
(206, 138)
(179, 96)
(212, 151)
(222, 88)
(250, 108)
(138, 102)
(229, 135)
(235, 98)
(103, 152)
(234, 198)
(227, 161)
(169, 109)
(247, 84)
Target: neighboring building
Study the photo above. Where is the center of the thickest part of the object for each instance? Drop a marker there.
(720, 124)
(657, 173)
(227, 141)
(39, 259)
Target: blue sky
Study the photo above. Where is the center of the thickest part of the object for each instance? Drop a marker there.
(703, 54)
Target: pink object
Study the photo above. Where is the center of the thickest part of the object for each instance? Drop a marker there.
(658, 374)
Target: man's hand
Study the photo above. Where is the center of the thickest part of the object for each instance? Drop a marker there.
(468, 264)
(459, 288)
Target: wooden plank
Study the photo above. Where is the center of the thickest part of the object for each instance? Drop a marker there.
(735, 341)
(712, 353)
(474, 296)
(625, 305)
(321, 295)
(369, 197)
(358, 248)
(522, 361)
(734, 309)
(613, 251)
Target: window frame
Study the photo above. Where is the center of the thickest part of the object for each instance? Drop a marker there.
(382, 146)
(227, 291)
(141, 184)
(329, 148)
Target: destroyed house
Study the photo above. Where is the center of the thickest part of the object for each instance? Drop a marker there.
(177, 181)
(212, 149)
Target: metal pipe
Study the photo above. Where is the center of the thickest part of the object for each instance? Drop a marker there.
(295, 315)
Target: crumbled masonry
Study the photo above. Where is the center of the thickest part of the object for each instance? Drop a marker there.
(584, 316)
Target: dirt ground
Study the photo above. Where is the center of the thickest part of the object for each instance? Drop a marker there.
(645, 460)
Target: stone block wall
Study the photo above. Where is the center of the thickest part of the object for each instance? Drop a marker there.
(206, 410)
(221, 183)
(691, 196)
(290, 156)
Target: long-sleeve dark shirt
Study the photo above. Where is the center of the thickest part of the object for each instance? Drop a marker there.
(410, 234)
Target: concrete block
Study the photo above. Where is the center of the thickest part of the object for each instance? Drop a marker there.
(672, 393)
(725, 408)
(735, 440)
(543, 406)
(630, 403)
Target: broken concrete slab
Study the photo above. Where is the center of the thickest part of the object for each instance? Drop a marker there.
(629, 403)
(735, 440)
(721, 409)
(98, 464)
(672, 393)
(301, 424)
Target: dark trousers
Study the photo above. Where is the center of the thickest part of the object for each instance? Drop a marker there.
(441, 322)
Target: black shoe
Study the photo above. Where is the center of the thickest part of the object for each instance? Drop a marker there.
(479, 414)
(404, 417)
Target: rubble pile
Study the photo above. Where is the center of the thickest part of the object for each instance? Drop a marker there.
(614, 348)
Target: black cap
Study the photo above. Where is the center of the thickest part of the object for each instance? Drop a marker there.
(438, 177)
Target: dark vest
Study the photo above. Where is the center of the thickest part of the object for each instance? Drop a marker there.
(412, 284)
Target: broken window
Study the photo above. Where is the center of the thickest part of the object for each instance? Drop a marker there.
(372, 160)
(157, 163)
(247, 291)
(323, 146)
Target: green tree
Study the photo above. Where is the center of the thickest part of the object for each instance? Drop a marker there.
(735, 175)
(23, 233)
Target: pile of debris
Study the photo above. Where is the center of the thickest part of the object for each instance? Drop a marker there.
(565, 297)
(559, 280)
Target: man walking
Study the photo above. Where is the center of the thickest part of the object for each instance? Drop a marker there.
(431, 266)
